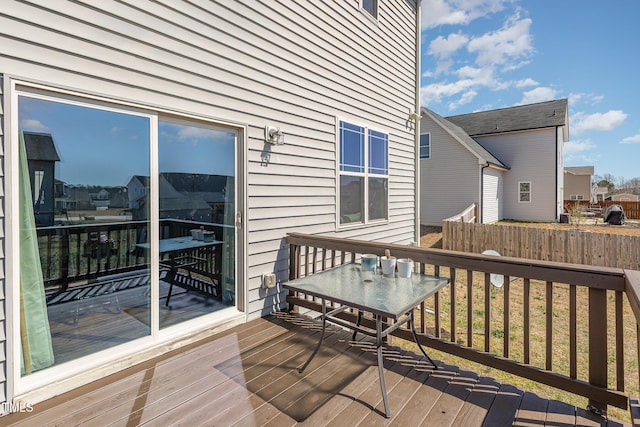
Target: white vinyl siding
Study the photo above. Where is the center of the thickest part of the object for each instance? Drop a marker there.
(531, 156)
(446, 190)
(491, 196)
(3, 292)
(293, 65)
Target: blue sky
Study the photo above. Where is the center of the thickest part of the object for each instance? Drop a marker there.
(485, 54)
(100, 146)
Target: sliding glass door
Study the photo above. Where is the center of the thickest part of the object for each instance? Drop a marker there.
(196, 164)
(126, 225)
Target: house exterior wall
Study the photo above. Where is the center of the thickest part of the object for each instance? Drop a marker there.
(577, 185)
(531, 157)
(3, 250)
(492, 189)
(624, 197)
(295, 65)
(446, 190)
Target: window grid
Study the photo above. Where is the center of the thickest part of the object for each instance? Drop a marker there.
(367, 198)
(524, 192)
(425, 146)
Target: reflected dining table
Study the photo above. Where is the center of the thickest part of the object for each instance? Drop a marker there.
(173, 251)
(391, 298)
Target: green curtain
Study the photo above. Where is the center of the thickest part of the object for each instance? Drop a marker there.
(36, 348)
(229, 245)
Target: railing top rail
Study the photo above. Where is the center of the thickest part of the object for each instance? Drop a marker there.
(577, 274)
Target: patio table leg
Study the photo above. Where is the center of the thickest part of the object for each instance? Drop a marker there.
(324, 326)
(358, 320)
(415, 338)
(383, 387)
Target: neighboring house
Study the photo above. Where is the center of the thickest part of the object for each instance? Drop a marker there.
(623, 197)
(507, 161)
(42, 157)
(192, 197)
(282, 98)
(577, 182)
(601, 193)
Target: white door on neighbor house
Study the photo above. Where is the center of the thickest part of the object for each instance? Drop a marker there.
(491, 196)
(144, 238)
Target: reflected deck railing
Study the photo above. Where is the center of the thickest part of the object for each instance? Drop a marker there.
(467, 314)
(79, 253)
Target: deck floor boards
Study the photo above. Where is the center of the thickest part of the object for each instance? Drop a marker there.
(247, 376)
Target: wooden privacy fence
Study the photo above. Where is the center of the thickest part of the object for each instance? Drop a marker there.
(573, 245)
(631, 209)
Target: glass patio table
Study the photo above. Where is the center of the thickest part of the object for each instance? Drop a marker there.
(369, 291)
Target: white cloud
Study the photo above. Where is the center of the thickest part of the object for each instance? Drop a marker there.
(635, 139)
(509, 46)
(466, 98)
(457, 12)
(485, 56)
(442, 47)
(539, 94)
(580, 152)
(526, 83)
(33, 125)
(586, 98)
(581, 122)
(571, 148)
(433, 93)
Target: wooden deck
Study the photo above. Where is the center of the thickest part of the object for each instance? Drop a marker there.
(247, 376)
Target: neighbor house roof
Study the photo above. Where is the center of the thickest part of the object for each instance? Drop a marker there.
(579, 170)
(461, 136)
(40, 146)
(518, 118)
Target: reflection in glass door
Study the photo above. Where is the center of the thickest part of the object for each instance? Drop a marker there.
(84, 255)
(196, 189)
(84, 279)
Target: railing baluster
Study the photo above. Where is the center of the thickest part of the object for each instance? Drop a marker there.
(306, 260)
(469, 308)
(573, 328)
(324, 259)
(619, 342)
(507, 329)
(597, 340)
(452, 308)
(526, 327)
(549, 327)
(314, 261)
(487, 312)
(638, 349)
(436, 306)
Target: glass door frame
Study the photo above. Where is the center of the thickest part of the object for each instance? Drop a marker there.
(72, 374)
